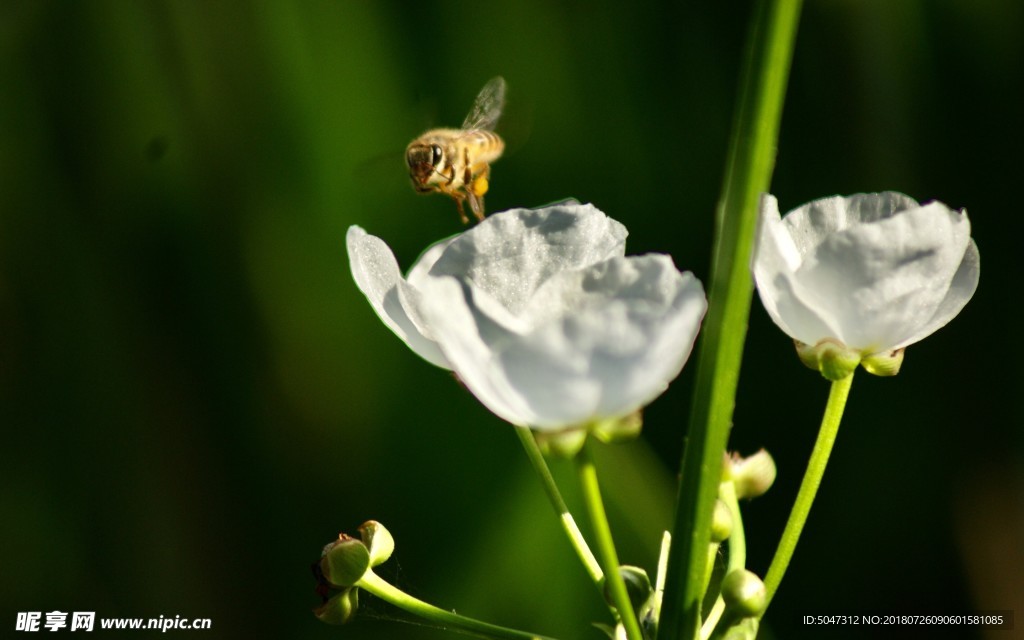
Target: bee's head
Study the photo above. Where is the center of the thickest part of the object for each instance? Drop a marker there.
(425, 161)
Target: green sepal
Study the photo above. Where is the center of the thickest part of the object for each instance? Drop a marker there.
(833, 359)
(340, 608)
(884, 364)
(378, 540)
(561, 444)
(622, 429)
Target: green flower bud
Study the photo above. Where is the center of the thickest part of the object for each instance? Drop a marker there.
(752, 476)
(378, 540)
(344, 561)
(721, 522)
(638, 585)
(744, 594)
(339, 609)
(832, 358)
(884, 364)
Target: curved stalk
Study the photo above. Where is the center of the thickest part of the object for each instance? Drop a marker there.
(372, 583)
(605, 545)
(579, 544)
(837, 396)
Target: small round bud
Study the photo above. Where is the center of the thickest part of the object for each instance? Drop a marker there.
(744, 593)
(344, 561)
(340, 608)
(638, 586)
(378, 540)
(884, 364)
(832, 358)
(721, 522)
(754, 475)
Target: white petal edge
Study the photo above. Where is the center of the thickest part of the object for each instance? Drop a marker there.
(774, 261)
(810, 223)
(376, 273)
(961, 290)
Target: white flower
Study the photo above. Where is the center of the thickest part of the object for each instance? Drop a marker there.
(871, 272)
(540, 314)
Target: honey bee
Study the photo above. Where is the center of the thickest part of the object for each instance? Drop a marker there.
(456, 162)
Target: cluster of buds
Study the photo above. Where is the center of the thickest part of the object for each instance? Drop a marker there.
(341, 567)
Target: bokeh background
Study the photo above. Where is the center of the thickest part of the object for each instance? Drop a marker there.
(194, 396)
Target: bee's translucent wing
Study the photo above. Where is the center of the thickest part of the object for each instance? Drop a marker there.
(487, 106)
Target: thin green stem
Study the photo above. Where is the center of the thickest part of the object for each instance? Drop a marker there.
(738, 537)
(713, 617)
(737, 553)
(372, 583)
(555, 497)
(605, 545)
(749, 168)
(809, 486)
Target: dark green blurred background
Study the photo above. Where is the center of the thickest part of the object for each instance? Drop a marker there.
(195, 396)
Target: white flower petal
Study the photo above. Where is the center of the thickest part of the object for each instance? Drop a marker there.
(418, 273)
(874, 271)
(961, 290)
(540, 314)
(376, 273)
(594, 343)
(811, 223)
(462, 330)
(885, 279)
(408, 290)
(509, 255)
(775, 260)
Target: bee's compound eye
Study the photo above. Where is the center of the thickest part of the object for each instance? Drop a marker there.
(435, 154)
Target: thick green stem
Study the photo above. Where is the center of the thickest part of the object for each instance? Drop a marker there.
(809, 486)
(748, 174)
(616, 586)
(555, 497)
(372, 583)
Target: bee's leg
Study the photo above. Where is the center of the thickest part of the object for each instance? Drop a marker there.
(476, 203)
(458, 203)
(458, 197)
